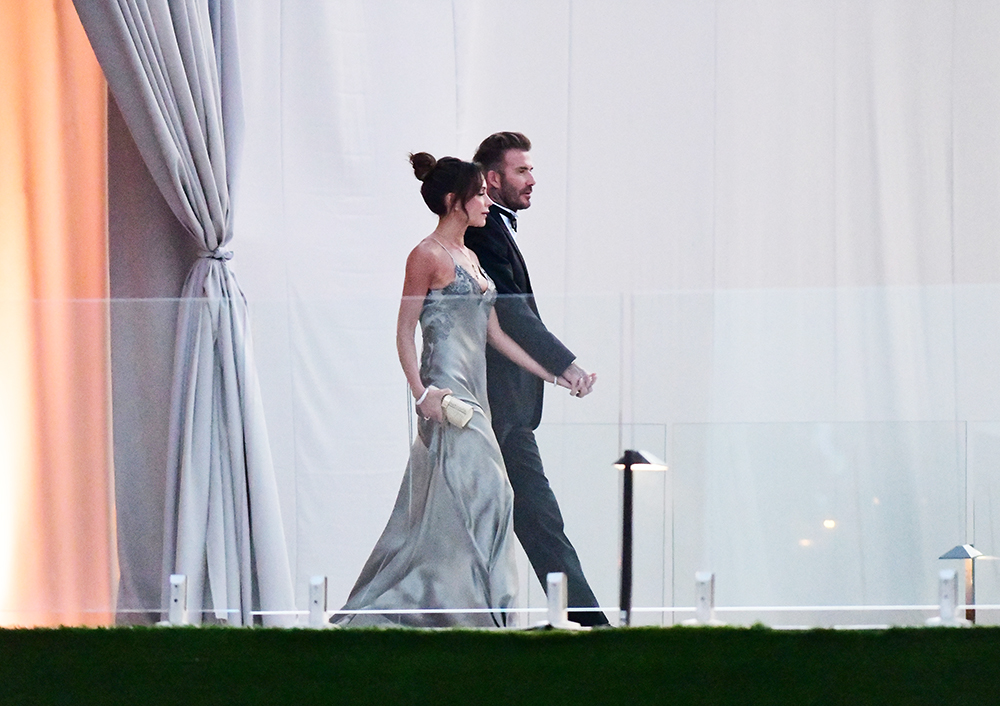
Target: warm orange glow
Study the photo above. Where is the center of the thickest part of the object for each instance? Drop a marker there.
(56, 527)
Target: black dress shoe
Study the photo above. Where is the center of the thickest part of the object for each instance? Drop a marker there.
(593, 619)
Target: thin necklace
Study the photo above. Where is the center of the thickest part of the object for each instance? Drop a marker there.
(475, 269)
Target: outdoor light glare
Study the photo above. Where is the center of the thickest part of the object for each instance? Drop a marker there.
(805, 542)
(640, 461)
(829, 524)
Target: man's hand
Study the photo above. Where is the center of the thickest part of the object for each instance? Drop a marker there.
(578, 380)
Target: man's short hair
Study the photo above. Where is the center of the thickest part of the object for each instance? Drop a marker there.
(491, 151)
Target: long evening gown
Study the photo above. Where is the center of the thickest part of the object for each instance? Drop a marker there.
(449, 543)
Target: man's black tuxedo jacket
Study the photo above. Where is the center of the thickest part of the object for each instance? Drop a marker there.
(515, 394)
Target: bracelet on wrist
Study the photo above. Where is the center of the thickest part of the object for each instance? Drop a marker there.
(422, 397)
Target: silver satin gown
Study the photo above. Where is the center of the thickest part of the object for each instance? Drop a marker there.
(449, 542)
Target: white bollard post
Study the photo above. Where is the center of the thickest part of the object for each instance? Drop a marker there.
(558, 611)
(704, 591)
(558, 601)
(948, 600)
(317, 602)
(177, 614)
(704, 600)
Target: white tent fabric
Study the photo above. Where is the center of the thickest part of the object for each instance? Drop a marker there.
(768, 225)
(173, 69)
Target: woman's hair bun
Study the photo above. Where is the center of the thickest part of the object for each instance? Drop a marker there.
(422, 163)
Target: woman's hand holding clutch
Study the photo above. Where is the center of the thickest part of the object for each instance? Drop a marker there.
(430, 406)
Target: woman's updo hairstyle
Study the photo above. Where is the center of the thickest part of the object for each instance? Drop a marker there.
(444, 176)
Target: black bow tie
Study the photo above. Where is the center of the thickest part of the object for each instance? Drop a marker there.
(511, 217)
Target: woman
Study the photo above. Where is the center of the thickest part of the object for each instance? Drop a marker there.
(449, 542)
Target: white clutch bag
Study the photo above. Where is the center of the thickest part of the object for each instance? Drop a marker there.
(456, 411)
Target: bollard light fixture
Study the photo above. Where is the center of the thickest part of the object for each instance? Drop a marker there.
(630, 461)
(969, 553)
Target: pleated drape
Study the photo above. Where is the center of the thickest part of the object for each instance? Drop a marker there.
(173, 70)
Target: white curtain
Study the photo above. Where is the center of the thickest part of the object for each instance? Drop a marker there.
(768, 225)
(173, 67)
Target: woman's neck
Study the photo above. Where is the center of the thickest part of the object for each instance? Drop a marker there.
(451, 229)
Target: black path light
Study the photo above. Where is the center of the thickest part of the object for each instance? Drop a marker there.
(629, 462)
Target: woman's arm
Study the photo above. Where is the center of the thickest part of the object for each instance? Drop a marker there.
(509, 347)
(423, 271)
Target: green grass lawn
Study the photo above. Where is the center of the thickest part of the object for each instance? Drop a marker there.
(611, 666)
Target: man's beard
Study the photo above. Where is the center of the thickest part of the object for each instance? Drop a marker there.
(510, 197)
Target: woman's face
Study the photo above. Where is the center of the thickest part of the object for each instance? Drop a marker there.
(478, 207)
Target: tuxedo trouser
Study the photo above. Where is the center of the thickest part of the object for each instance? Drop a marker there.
(538, 523)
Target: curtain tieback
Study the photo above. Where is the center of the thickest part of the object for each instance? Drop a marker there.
(220, 253)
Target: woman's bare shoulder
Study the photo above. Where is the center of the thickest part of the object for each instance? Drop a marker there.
(429, 265)
(428, 253)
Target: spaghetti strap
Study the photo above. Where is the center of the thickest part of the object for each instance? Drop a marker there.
(454, 261)
(475, 265)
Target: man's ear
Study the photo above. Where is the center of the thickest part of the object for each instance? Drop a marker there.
(493, 179)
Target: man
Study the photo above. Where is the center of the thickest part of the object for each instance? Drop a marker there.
(515, 395)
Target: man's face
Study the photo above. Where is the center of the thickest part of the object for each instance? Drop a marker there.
(511, 187)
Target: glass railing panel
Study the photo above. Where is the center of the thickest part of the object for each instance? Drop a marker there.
(57, 561)
(776, 410)
(828, 514)
(982, 505)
